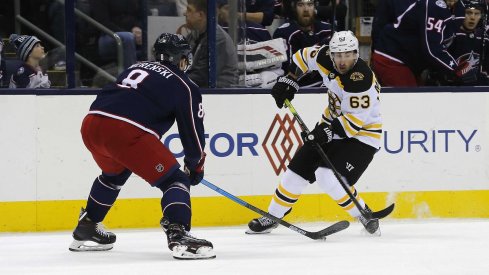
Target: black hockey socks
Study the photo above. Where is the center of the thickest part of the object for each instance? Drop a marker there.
(103, 194)
(175, 204)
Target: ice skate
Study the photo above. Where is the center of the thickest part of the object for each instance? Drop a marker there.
(371, 225)
(261, 225)
(186, 247)
(91, 236)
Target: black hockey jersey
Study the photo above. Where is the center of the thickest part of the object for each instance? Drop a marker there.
(467, 50)
(152, 96)
(416, 33)
(297, 39)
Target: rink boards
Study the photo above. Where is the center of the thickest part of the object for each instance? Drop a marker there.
(433, 160)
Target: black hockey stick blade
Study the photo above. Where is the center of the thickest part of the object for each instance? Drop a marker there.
(384, 212)
(334, 228)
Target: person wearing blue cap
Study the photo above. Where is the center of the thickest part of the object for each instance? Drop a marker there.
(29, 75)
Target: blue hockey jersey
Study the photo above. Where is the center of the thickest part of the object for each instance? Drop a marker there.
(297, 39)
(403, 30)
(152, 96)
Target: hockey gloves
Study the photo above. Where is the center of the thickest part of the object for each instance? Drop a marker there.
(196, 175)
(285, 88)
(321, 134)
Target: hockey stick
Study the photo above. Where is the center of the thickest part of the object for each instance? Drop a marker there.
(336, 227)
(484, 36)
(374, 215)
(333, 15)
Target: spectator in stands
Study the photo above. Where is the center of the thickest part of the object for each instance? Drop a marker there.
(29, 74)
(409, 37)
(302, 30)
(123, 18)
(262, 62)
(227, 59)
(254, 32)
(468, 46)
(259, 11)
(325, 13)
(181, 7)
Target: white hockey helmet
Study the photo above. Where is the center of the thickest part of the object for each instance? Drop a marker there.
(343, 41)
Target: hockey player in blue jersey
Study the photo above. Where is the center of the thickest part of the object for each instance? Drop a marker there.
(302, 30)
(122, 131)
(468, 46)
(409, 37)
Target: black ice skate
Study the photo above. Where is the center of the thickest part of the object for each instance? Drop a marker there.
(371, 225)
(261, 225)
(186, 247)
(91, 236)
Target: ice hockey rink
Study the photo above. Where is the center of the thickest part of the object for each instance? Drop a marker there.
(406, 247)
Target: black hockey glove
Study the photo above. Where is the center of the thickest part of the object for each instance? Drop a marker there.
(196, 175)
(285, 88)
(321, 134)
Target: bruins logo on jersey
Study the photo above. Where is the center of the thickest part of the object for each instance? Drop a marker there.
(357, 76)
(334, 104)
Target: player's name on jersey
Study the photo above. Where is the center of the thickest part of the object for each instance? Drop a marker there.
(155, 67)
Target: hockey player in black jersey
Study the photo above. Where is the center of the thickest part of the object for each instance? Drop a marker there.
(468, 46)
(122, 131)
(349, 130)
(410, 36)
(301, 30)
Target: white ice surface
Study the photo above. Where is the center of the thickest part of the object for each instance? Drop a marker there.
(405, 247)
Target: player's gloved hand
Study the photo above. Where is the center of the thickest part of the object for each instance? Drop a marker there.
(321, 134)
(285, 88)
(466, 73)
(197, 174)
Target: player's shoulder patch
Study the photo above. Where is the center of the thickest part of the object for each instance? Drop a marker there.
(358, 79)
(323, 58)
(441, 4)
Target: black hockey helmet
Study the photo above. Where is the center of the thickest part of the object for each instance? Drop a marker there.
(474, 4)
(172, 47)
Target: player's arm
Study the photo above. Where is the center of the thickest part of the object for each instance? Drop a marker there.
(302, 61)
(435, 20)
(190, 122)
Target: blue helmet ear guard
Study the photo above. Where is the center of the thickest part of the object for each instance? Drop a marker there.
(172, 48)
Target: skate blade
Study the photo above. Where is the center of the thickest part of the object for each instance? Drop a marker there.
(251, 232)
(82, 246)
(205, 252)
(377, 233)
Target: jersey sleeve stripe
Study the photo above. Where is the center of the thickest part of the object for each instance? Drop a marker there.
(369, 134)
(374, 126)
(353, 119)
(347, 127)
(323, 69)
(299, 60)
